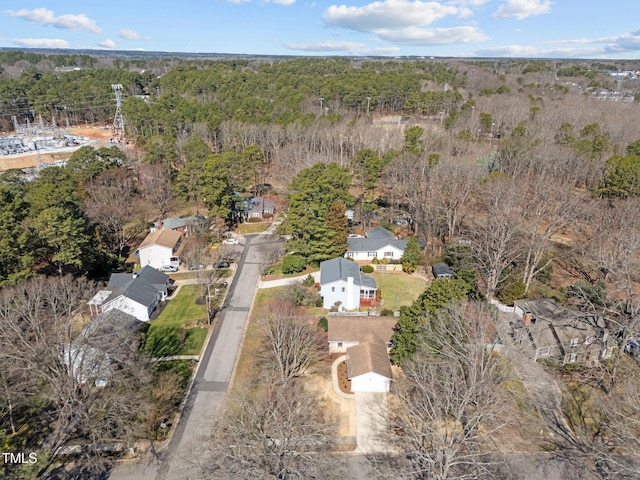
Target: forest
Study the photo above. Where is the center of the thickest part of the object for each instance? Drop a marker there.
(522, 175)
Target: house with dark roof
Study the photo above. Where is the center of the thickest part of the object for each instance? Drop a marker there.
(345, 332)
(442, 270)
(379, 243)
(368, 366)
(160, 248)
(258, 207)
(543, 329)
(184, 225)
(342, 284)
(136, 294)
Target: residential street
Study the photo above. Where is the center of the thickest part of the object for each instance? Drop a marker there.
(187, 446)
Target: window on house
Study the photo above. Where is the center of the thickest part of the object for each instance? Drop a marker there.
(350, 254)
(574, 342)
(545, 351)
(371, 254)
(344, 289)
(333, 289)
(388, 254)
(339, 344)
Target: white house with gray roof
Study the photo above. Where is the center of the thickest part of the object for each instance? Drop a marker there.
(379, 243)
(341, 281)
(136, 294)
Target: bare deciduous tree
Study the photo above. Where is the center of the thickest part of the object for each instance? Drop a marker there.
(276, 432)
(495, 233)
(292, 344)
(109, 204)
(450, 402)
(56, 389)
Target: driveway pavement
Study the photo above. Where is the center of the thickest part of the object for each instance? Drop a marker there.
(181, 456)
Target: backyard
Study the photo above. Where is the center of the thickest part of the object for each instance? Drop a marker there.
(398, 289)
(181, 328)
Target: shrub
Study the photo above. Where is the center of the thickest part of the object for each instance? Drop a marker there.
(387, 312)
(309, 281)
(512, 292)
(293, 264)
(367, 269)
(375, 261)
(323, 323)
(319, 302)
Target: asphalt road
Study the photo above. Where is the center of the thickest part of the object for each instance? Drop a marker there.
(180, 458)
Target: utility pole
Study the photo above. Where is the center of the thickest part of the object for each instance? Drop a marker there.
(321, 110)
(368, 102)
(117, 129)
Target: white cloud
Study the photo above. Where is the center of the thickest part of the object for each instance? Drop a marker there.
(286, 3)
(41, 42)
(352, 48)
(521, 9)
(433, 36)
(388, 14)
(328, 46)
(129, 34)
(404, 21)
(43, 16)
(107, 43)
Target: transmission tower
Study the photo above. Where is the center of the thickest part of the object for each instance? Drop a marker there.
(117, 130)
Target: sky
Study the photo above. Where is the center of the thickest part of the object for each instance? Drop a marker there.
(458, 28)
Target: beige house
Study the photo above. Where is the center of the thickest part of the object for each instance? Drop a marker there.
(368, 366)
(345, 332)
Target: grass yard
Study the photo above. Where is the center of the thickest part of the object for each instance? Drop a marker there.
(181, 328)
(398, 289)
(248, 228)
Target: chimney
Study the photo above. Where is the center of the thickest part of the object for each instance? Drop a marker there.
(526, 319)
(350, 305)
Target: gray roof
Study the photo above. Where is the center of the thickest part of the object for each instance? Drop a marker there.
(340, 269)
(172, 223)
(109, 322)
(373, 244)
(441, 269)
(142, 287)
(367, 281)
(380, 232)
(258, 204)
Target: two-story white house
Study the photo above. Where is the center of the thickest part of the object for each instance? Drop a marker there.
(341, 281)
(160, 248)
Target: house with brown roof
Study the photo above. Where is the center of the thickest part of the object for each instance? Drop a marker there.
(345, 332)
(368, 365)
(160, 248)
(544, 329)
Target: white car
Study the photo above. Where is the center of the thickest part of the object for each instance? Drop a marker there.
(230, 241)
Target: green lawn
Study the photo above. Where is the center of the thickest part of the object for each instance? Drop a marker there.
(181, 327)
(248, 228)
(398, 289)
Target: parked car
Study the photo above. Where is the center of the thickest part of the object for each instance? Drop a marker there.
(198, 266)
(230, 241)
(168, 268)
(223, 264)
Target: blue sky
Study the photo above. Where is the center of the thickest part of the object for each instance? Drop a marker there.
(502, 28)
